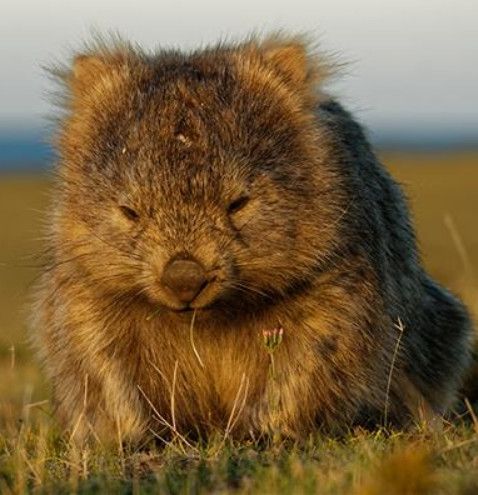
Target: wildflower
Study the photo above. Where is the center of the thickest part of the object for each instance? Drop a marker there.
(272, 338)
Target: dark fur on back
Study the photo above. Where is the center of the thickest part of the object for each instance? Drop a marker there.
(233, 158)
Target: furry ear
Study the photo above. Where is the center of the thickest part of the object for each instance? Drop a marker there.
(96, 67)
(289, 59)
(87, 69)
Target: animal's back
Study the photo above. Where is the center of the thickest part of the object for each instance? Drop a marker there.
(437, 330)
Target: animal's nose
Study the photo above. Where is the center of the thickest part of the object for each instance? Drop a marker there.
(185, 278)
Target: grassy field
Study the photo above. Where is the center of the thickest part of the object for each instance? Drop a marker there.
(443, 191)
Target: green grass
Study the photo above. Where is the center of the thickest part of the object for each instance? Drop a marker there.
(35, 457)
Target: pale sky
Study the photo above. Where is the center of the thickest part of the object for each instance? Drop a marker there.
(413, 63)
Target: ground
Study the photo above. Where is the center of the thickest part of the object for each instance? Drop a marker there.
(34, 456)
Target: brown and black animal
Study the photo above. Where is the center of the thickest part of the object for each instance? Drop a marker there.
(203, 202)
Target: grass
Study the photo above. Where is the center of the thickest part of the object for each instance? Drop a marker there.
(35, 457)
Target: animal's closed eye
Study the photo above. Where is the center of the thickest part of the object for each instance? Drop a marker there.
(237, 204)
(129, 213)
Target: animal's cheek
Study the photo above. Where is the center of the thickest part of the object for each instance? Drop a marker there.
(257, 226)
(266, 232)
(242, 218)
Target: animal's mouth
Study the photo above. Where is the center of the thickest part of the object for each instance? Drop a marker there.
(185, 310)
(215, 303)
(189, 310)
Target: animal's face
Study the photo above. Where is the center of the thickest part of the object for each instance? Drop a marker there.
(196, 183)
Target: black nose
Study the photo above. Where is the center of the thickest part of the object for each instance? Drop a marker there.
(185, 278)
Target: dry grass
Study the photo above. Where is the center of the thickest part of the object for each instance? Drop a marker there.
(34, 457)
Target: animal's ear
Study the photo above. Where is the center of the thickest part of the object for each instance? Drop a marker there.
(289, 59)
(91, 69)
(87, 69)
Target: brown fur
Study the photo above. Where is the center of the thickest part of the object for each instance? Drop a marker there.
(323, 249)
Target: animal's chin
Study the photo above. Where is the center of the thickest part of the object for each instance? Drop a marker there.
(188, 313)
(217, 311)
(182, 311)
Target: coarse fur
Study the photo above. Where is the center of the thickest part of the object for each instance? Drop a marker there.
(234, 157)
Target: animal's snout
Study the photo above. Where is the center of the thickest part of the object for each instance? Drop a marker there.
(185, 278)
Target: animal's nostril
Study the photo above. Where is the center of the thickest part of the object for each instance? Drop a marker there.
(185, 277)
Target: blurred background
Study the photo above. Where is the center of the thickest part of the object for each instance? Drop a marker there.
(411, 78)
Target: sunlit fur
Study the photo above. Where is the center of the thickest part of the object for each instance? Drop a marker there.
(323, 249)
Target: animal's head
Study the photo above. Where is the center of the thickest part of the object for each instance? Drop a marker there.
(199, 180)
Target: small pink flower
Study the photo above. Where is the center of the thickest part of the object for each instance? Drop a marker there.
(273, 338)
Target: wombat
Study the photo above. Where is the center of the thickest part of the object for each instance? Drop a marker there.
(227, 254)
